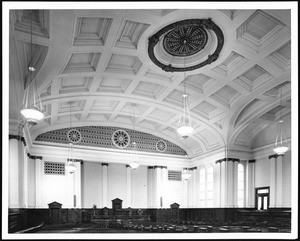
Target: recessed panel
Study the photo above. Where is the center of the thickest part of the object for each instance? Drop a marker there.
(115, 85)
(123, 64)
(147, 89)
(82, 62)
(91, 31)
(130, 34)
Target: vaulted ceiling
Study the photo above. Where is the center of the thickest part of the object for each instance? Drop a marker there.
(99, 60)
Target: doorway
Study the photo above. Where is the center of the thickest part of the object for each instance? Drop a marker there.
(262, 198)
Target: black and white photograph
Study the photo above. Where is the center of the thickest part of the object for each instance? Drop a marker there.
(150, 120)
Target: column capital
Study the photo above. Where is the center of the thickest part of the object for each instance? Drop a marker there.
(228, 159)
(192, 168)
(78, 160)
(19, 138)
(128, 166)
(104, 164)
(34, 157)
(274, 156)
(160, 167)
(252, 161)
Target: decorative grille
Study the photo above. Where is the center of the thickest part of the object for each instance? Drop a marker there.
(120, 138)
(55, 168)
(161, 146)
(174, 175)
(103, 136)
(74, 136)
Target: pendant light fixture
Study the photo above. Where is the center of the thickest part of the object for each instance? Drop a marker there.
(32, 105)
(281, 144)
(185, 128)
(70, 165)
(134, 157)
(186, 174)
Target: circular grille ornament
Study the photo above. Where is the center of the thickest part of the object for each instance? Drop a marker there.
(74, 136)
(120, 138)
(185, 40)
(161, 146)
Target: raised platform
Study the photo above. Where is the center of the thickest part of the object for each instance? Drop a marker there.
(115, 220)
(268, 217)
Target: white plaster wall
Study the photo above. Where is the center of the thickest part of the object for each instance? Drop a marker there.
(139, 187)
(116, 184)
(262, 172)
(286, 180)
(13, 182)
(57, 188)
(31, 183)
(91, 184)
(174, 193)
(262, 176)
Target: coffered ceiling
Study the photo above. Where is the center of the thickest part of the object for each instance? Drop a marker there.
(98, 59)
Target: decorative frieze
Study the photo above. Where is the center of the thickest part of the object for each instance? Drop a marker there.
(115, 138)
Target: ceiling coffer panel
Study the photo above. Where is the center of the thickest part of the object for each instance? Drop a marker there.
(35, 21)
(260, 30)
(91, 31)
(109, 137)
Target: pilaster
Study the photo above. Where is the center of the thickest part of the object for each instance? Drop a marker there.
(128, 185)
(104, 183)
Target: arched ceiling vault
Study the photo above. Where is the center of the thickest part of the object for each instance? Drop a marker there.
(99, 60)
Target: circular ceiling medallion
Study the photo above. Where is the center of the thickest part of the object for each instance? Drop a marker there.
(74, 136)
(185, 40)
(161, 146)
(199, 39)
(120, 138)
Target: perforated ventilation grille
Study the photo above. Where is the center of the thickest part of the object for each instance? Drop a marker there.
(101, 136)
(54, 168)
(174, 175)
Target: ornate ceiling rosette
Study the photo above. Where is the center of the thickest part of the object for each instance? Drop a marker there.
(196, 41)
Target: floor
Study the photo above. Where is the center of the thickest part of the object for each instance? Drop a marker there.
(146, 228)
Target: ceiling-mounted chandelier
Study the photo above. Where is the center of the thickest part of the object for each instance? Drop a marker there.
(186, 173)
(31, 105)
(281, 143)
(134, 156)
(185, 128)
(70, 165)
(134, 164)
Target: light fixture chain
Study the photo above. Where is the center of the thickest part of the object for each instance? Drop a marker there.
(184, 81)
(31, 57)
(70, 116)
